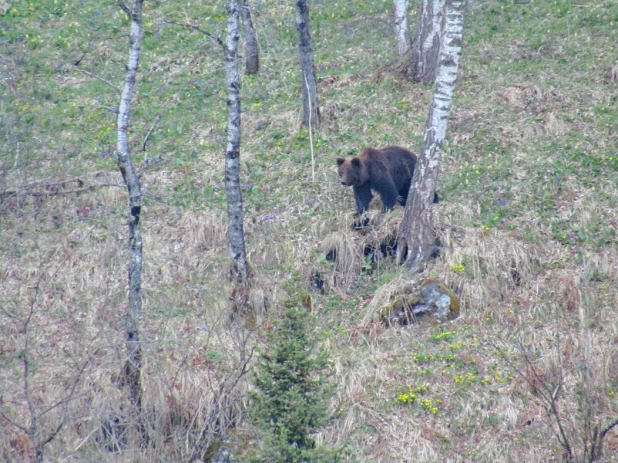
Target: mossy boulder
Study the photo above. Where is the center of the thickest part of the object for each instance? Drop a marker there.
(432, 299)
(232, 448)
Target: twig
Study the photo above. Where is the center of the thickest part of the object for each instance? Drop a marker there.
(152, 127)
(608, 428)
(66, 401)
(197, 28)
(16, 156)
(156, 122)
(124, 7)
(17, 425)
(149, 164)
(548, 394)
(25, 192)
(310, 130)
(33, 430)
(79, 60)
(222, 396)
(86, 438)
(98, 78)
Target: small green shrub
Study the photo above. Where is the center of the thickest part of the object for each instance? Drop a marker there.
(292, 390)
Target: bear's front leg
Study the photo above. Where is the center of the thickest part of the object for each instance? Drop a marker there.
(363, 197)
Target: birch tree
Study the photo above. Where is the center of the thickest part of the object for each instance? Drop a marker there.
(236, 235)
(308, 82)
(404, 44)
(252, 56)
(416, 237)
(131, 376)
(426, 45)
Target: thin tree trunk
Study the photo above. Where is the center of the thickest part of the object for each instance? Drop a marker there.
(308, 82)
(426, 46)
(416, 239)
(252, 59)
(133, 365)
(236, 235)
(404, 44)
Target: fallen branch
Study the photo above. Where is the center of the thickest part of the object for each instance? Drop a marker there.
(54, 189)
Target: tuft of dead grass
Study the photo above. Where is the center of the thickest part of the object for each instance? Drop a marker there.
(353, 251)
(385, 293)
(491, 264)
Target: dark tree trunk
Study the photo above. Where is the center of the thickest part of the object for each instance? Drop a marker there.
(236, 235)
(133, 365)
(252, 59)
(404, 43)
(308, 82)
(416, 238)
(426, 46)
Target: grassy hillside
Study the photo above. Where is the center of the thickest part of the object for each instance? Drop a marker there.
(528, 219)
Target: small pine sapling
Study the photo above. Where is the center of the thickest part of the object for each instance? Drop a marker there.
(292, 391)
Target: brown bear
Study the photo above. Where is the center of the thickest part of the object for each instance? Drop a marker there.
(388, 171)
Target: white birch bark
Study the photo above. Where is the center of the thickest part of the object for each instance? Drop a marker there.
(133, 364)
(236, 236)
(404, 44)
(416, 239)
(426, 47)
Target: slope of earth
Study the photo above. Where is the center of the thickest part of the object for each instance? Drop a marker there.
(528, 218)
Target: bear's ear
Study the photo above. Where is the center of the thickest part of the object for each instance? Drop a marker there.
(356, 162)
(340, 161)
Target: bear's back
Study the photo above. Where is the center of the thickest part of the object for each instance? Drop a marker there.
(394, 158)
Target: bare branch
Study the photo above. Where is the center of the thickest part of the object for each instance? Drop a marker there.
(96, 429)
(549, 394)
(70, 397)
(608, 428)
(124, 8)
(156, 122)
(116, 89)
(197, 28)
(17, 425)
(150, 163)
(71, 394)
(152, 127)
(26, 190)
(223, 396)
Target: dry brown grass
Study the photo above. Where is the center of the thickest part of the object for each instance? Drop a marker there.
(81, 278)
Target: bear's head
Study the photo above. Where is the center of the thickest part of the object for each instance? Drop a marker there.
(352, 171)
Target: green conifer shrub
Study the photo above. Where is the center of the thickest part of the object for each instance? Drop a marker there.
(292, 391)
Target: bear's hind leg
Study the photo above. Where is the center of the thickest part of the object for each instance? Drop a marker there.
(403, 194)
(388, 192)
